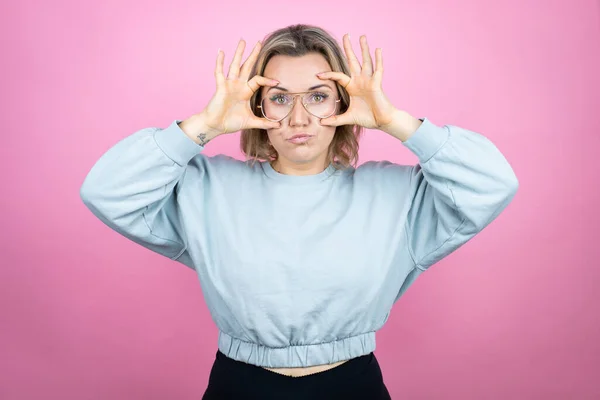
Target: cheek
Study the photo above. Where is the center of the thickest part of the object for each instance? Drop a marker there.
(327, 134)
(274, 135)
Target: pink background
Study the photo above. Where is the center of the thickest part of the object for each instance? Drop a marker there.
(87, 314)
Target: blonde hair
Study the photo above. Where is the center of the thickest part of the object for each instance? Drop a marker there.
(296, 41)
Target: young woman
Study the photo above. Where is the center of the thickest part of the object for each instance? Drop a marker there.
(300, 254)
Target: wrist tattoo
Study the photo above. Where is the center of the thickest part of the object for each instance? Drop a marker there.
(202, 139)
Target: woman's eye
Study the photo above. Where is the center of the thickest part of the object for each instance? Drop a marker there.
(319, 97)
(278, 99)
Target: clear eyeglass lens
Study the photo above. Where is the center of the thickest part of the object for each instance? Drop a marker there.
(277, 106)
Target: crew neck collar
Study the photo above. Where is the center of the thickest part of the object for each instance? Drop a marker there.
(298, 179)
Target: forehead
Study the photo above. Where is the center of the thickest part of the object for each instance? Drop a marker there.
(297, 73)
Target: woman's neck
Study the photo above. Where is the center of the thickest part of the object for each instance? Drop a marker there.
(290, 168)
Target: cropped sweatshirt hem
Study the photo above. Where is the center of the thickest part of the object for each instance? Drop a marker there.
(297, 355)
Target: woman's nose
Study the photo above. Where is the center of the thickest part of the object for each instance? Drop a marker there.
(299, 115)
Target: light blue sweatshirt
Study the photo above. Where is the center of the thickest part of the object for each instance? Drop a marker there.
(300, 270)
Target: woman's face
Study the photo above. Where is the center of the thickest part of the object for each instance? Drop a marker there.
(298, 74)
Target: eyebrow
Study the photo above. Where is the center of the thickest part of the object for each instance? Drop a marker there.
(309, 89)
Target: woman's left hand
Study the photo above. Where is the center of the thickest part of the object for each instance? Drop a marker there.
(369, 107)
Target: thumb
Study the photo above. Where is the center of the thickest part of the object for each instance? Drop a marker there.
(262, 123)
(336, 120)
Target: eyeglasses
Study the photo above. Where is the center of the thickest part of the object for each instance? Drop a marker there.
(279, 105)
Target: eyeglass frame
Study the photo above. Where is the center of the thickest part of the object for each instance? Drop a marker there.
(295, 95)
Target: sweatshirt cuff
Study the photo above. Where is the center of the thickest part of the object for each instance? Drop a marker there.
(427, 140)
(176, 144)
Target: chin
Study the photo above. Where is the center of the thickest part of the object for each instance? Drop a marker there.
(301, 154)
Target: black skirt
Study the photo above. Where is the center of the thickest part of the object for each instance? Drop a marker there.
(359, 378)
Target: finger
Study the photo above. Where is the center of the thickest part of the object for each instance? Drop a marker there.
(338, 120)
(250, 61)
(367, 66)
(339, 77)
(257, 81)
(234, 68)
(219, 68)
(352, 60)
(378, 74)
(262, 123)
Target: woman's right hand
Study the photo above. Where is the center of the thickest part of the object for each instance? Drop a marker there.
(229, 109)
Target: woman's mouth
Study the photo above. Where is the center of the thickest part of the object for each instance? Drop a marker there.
(300, 138)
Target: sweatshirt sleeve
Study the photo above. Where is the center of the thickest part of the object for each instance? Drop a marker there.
(461, 183)
(133, 188)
